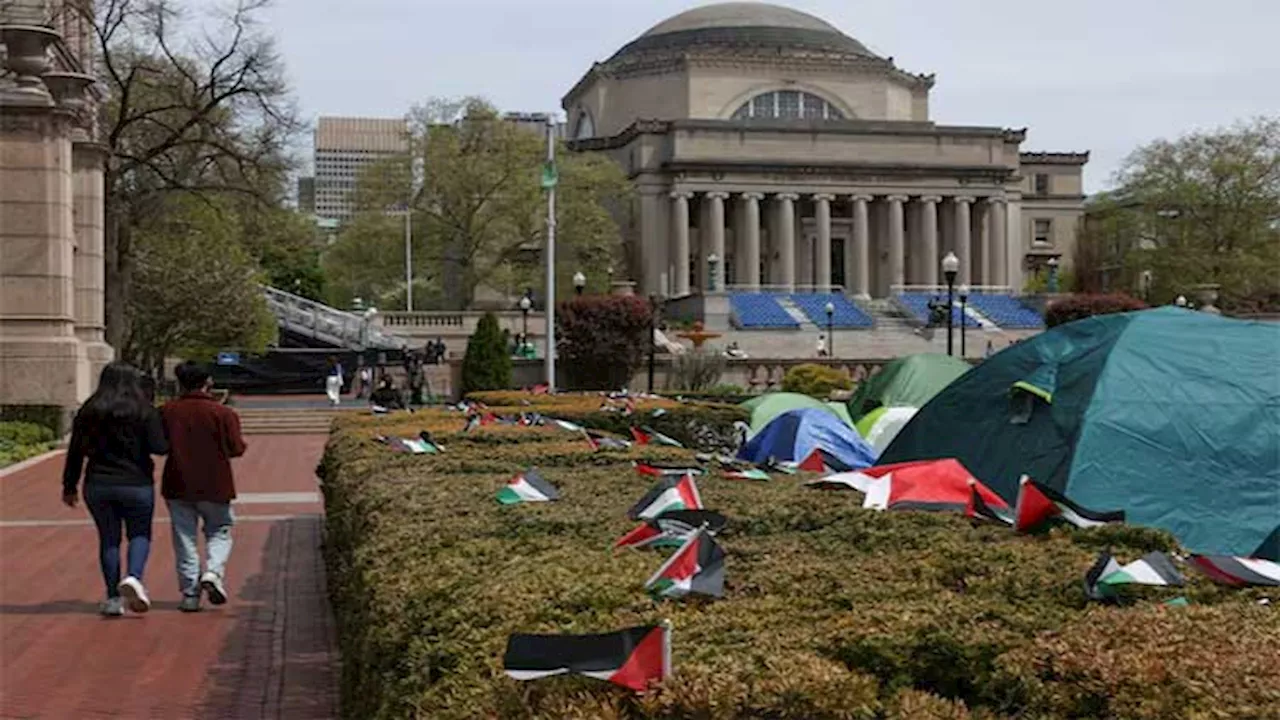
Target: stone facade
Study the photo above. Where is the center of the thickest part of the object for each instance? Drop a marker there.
(51, 208)
(771, 151)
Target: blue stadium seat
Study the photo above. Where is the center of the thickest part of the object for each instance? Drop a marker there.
(753, 311)
(1006, 311)
(846, 315)
(918, 305)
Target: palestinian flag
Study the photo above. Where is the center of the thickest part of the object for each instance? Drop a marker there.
(1238, 571)
(822, 461)
(634, 658)
(473, 422)
(668, 494)
(1037, 504)
(746, 474)
(1270, 547)
(1104, 566)
(529, 419)
(645, 435)
(772, 464)
(528, 486)
(600, 441)
(697, 568)
(658, 469)
(1154, 568)
(978, 508)
(671, 528)
(541, 389)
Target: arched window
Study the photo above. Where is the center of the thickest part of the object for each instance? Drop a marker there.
(788, 105)
(585, 127)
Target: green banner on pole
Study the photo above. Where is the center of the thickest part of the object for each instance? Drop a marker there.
(550, 176)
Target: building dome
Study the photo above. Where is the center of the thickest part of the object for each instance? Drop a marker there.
(742, 26)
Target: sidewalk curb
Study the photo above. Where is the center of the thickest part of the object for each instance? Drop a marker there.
(30, 462)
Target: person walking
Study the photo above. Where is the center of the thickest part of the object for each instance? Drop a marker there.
(822, 346)
(198, 485)
(117, 431)
(333, 381)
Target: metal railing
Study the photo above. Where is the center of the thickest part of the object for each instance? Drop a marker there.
(327, 324)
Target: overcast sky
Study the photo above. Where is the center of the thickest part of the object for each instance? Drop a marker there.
(1098, 75)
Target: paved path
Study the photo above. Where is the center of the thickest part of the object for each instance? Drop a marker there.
(269, 653)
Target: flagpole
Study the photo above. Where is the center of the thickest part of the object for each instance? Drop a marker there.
(550, 314)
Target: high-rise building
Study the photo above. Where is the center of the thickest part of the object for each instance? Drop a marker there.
(343, 147)
(307, 195)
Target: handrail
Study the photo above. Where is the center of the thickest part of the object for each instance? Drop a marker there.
(328, 323)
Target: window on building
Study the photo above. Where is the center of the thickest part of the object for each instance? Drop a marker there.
(1042, 233)
(586, 127)
(787, 104)
(1041, 184)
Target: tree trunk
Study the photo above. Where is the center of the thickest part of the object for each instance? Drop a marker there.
(118, 252)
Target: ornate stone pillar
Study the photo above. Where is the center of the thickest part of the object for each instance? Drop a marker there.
(1014, 243)
(897, 258)
(929, 239)
(654, 239)
(823, 260)
(749, 274)
(715, 218)
(786, 208)
(962, 230)
(996, 252)
(680, 246)
(860, 272)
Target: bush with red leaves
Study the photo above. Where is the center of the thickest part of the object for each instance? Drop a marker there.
(601, 339)
(1076, 307)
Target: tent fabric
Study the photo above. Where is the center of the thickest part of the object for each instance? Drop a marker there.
(842, 411)
(909, 381)
(1169, 414)
(880, 426)
(770, 405)
(795, 434)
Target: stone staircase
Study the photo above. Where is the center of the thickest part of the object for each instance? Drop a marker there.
(286, 421)
(796, 313)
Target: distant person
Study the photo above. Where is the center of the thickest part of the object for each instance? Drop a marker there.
(822, 346)
(333, 381)
(991, 349)
(441, 350)
(198, 484)
(386, 396)
(117, 431)
(364, 378)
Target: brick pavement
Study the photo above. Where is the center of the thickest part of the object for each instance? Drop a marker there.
(268, 653)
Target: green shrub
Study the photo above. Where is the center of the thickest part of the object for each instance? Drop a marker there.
(486, 365)
(1077, 307)
(816, 380)
(50, 416)
(697, 370)
(22, 440)
(831, 611)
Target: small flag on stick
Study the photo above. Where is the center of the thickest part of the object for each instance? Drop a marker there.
(634, 658)
(528, 486)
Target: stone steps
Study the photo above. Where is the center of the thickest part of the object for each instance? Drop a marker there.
(254, 421)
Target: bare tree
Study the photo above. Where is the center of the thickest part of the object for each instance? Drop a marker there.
(197, 103)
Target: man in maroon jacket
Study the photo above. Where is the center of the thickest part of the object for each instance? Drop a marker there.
(198, 485)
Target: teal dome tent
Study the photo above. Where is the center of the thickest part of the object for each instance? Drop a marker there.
(1170, 415)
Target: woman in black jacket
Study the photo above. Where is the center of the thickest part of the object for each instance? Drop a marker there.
(117, 430)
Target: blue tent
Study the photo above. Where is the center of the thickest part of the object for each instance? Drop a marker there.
(796, 433)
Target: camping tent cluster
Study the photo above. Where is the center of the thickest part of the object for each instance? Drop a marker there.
(1169, 415)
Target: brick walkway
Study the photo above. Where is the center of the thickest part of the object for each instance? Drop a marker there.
(268, 653)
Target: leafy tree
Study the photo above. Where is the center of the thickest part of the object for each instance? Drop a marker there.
(481, 211)
(1204, 208)
(285, 245)
(195, 289)
(487, 364)
(601, 339)
(1077, 307)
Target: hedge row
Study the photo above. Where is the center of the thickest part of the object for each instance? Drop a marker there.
(830, 611)
(22, 440)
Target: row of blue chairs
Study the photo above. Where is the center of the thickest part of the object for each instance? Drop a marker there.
(764, 311)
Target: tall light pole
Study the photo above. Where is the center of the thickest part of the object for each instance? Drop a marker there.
(950, 268)
(408, 258)
(549, 181)
(653, 336)
(964, 301)
(831, 336)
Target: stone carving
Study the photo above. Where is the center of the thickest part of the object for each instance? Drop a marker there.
(26, 51)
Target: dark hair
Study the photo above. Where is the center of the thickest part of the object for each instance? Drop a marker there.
(118, 400)
(148, 385)
(192, 375)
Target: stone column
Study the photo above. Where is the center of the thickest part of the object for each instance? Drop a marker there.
(652, 255)
(1014, 245)
(860, 257)
(962, 239)
(823, 260)
(680, 246)
(996, 253)
(929, 239)
(786, 208)
(88, 161)
(749, 274)
(897, 260)
(715, 233)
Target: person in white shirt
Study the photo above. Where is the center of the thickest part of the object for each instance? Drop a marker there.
(822, 346)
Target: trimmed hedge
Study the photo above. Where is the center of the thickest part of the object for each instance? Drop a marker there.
(831, 611)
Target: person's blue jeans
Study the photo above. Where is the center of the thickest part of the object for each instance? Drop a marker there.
(218, 520)
(114, 507)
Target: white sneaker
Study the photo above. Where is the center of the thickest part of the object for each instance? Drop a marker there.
(212, 585)
(134, 594)
(112, 607)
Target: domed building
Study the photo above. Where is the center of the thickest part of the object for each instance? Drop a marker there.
(772, 151)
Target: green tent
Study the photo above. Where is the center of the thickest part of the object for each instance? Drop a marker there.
(842, 410)
(1170, 415)
(906, 382)
(770, 405)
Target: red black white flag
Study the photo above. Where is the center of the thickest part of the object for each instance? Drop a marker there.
(1037, 504)
(645, 435)
(672, 528)
(635, 658)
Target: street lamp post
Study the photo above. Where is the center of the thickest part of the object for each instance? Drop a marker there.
(609, 270)
(525, 305)
(1053, 275)
(653, 335)
(579, 282)
(712, 261)
(831, 337)
(964, 302)
(950, 268)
